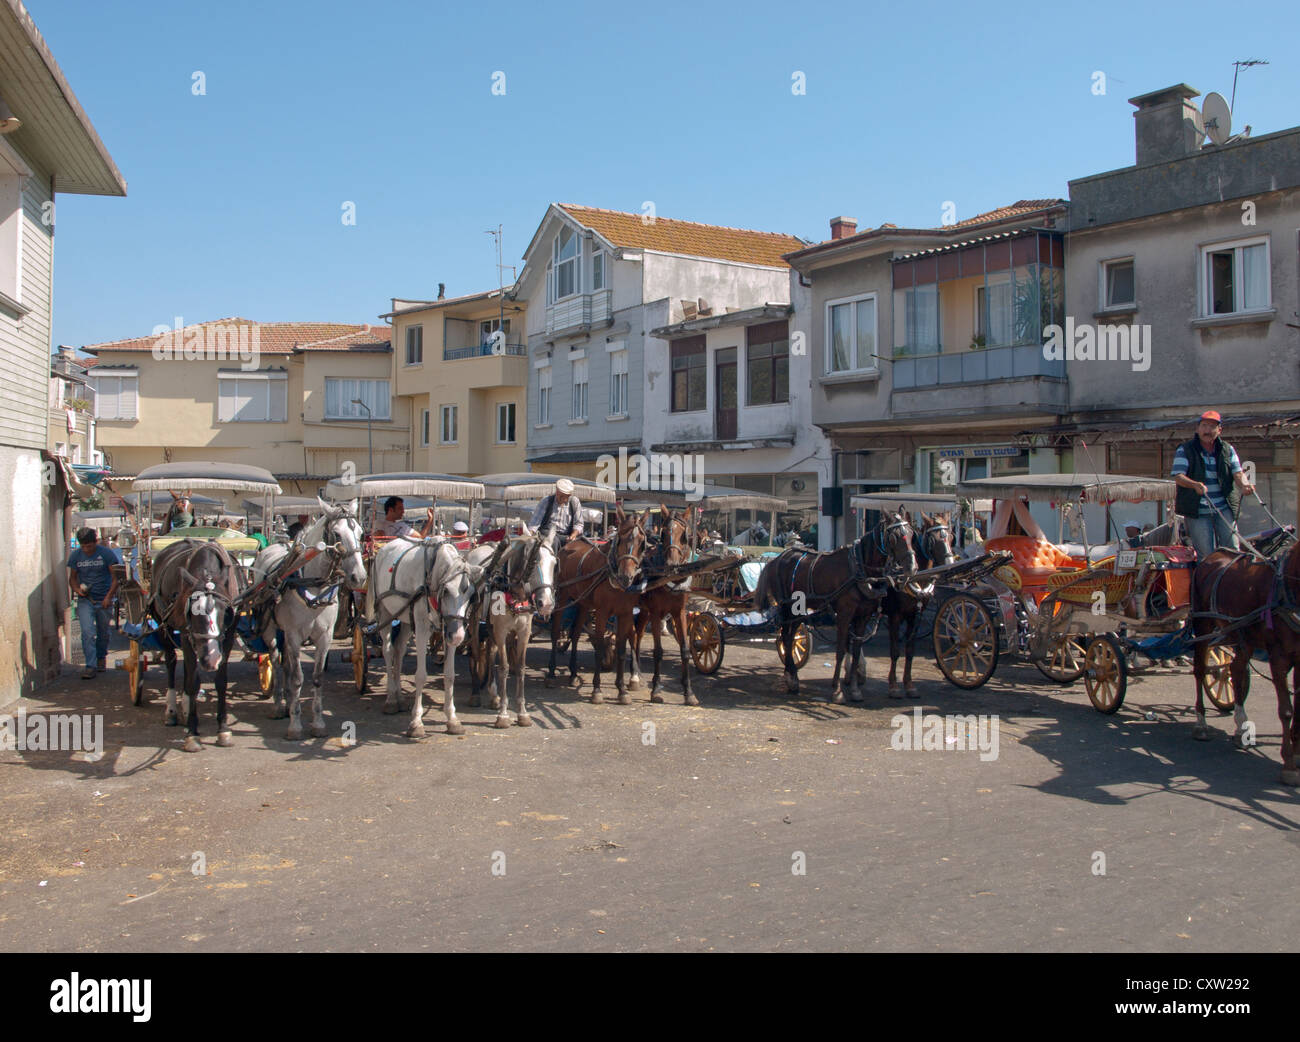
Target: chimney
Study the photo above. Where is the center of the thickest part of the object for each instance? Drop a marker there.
(1165, 124)
(442, 290)
(843, 227)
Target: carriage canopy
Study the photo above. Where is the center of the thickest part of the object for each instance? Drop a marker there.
(381, 486)
(233, 477)
(1100, 489)
(509, 488)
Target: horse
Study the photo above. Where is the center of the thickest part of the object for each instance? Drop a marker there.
(755, 535)
(850, 581)
(306, 606)
(196, 586)
(515, 573)
(1254, 602)
(425, 583)
(600, 579)
(903, 606)
(664, 601)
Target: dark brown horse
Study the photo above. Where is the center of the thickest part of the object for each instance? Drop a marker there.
(195, 589)
(664, 601)
(1255, 604)
(905, 602)
(599, 578)
(849, 582)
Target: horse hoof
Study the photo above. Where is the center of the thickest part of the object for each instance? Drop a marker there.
(657, 698)
(225, 739)
(896, 693)
(838, 698)
(391, 709)
(855, 695)
(502, 722)
(549, 682)
(170, 720)
(624, 699)
(1201, 734)
(691, 700)
(279, 713)
(524, 720)
(1236, 741)
(455, 727)
(911, 691)
(634, 684)
(319, 730)
(415, 732)
(192, 744)
(597, 698)
(575, 680)
(475, 701)
(1289, 776)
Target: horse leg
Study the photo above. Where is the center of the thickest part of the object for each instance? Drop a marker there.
(656, 682)
(321, 636)
(415, 720)
(556, 615)
(224, 737)
(895, 620)
(501, 672)
(293, 681)
(449, 685)
(855, 666)
(190, 702)
(1200, 655)
(843, 623)
(622, 634)
(170, 717)
(634, 652)
(579, 626)
(909, 645)
(519, 659)
(599, 638)
(787, 646)
(279, 705)
(679, 628)
(394, 655)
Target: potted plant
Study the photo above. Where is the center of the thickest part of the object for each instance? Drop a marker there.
(978, 342)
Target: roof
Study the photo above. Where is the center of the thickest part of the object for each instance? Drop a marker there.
(235, 477)
(707, 497)
(1018, 233)
(410, 306)
(273, 338)
(747, 317)
(56, 132)
(668, 235)
(403, 483)
(1053, 488)
(532, 485)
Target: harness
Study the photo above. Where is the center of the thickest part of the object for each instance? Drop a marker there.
(165, 612)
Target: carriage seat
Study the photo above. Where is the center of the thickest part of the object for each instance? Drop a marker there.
(1032, 562)
(749, 573)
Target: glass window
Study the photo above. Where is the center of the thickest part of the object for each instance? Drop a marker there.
(544, 396)
(414, 345)
(921, 310)
(618, 402)
(506, 423)
(993, 313)
(1120, 287)
(767, 361)
(424, 426)
(566, 263)
(579, 405)
(447, 428)
(341, 396)
(598, 270)
(850, 336)
(1236, 277)
(115, 396)
(690, 375)
(252, 398)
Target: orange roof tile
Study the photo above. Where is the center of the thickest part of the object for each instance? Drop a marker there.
(274, 338)
(1003, 213)
(687, 237)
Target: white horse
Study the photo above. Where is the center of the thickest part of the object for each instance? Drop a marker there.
(423, 583)
(527, 585)
(307, 606)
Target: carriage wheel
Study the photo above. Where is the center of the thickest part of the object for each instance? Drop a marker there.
(135, 667)
(707, 642)
(1105, 673)
(359, 652)
(481, 662)
(801, 645)
(1218, 678)
(1065, 662)
(965, 641)
(266, 674)
(347, 615)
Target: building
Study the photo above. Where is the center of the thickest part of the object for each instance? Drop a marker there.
(71, 432)
(465, 387)
(606, 294)
(47, 146)
(1193, 252)
(299, 398)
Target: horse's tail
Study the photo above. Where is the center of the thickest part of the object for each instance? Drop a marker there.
(761, 592)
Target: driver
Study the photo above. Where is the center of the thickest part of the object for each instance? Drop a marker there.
(562, 508)
(393, 526)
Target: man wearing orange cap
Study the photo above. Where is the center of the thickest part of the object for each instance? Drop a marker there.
(1210, 486)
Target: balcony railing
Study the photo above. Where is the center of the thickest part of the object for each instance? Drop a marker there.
(974, 366)
(454, 354)
(582, 311)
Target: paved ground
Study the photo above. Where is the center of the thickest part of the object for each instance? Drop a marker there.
(577, 834)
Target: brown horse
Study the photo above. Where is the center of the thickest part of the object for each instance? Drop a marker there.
(849, 582)
(665, 601)
(1255, 605)
(904, 604)
(599, 578)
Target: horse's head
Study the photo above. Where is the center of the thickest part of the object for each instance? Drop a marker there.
(451, 588)
(895, 535)
(208, 606)
(676, 538)
(629, 545)
(344, 542)
(530, 572)
(936, 539)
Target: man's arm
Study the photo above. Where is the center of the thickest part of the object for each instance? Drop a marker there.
(1180, 474)
(1239, 475)
(539, 512)
(112, 587)
(575, 527)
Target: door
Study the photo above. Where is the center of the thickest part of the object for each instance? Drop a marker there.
(726, 402)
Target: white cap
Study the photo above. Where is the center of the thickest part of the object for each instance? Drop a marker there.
(1132, 524)
(565, 486)
(460, 528)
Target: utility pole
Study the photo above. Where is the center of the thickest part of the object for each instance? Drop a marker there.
(501, 285)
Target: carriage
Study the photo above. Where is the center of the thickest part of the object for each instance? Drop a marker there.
(139, 544)
(375, 488)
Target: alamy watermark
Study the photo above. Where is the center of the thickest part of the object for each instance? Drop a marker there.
(658, 472)
(211, 342)
(53, 732)
(956, 732)
(1109, 343)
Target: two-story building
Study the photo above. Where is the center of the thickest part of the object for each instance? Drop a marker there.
(460, 365)
(299, 398)
(47, 146)
(71, 431)
(606, 292)
(1195, 249)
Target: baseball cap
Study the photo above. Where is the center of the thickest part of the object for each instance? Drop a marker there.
(460, 528)
(1212, 415)
(564, 485)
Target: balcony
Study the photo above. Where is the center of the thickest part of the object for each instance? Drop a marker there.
(455, 354)
(974, 366)
(581, 312)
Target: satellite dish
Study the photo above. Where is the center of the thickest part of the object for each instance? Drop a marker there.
(1217, 118)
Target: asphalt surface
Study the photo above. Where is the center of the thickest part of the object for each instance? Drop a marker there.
(578, 834)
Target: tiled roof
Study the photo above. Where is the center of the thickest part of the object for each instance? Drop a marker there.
(1003, 213)
(687, 237)
(274, 338)
(367, 338)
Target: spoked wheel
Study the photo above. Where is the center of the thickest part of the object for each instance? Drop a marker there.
(266, 674)
(707, 642)
(1065, 660)
(800, 645)
(135, 667)
(1105, 673)
(965, 641)
(1218, 678)
(359, 652)
(347, 615)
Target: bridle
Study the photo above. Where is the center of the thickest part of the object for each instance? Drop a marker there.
(886, 541)
(927, 536)
(615, 559)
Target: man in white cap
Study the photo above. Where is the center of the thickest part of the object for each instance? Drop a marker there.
(460, 536)
(561, 509)
(1132, 533)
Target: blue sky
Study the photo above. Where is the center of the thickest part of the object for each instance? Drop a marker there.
(235, 197)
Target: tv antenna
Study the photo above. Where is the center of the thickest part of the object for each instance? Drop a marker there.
(501, 286)
(1237, 67)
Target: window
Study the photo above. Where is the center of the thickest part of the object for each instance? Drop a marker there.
(993, 312)
(424, 426)
(489, 326)
(60, 449)
(339, 395)
(252, 397)
(579, 389)
(11, 233)
(1235, 277)
(544, 396)
(565, 259)
(921, 319)
(76, 454)
(1118, 288)
(851, 335)
(767, 359)
(447, 427)
(690, 375)
(115, 396)
(598, 270)
(618, 383)
(506, 423)
(414, 345)
(995, 466)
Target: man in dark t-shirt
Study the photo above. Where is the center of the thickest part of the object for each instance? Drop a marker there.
(93, 585)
